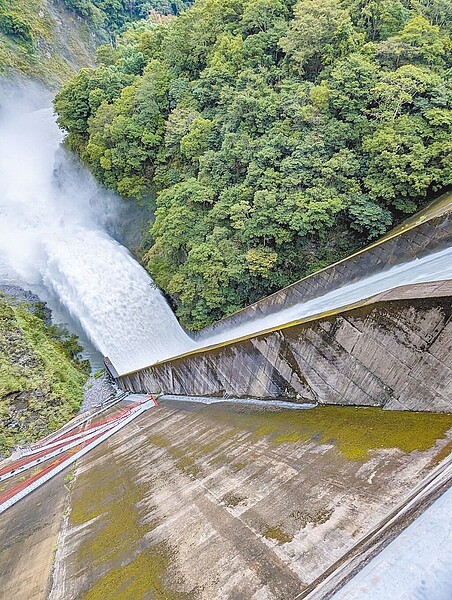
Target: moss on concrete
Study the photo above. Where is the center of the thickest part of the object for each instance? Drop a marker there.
(138, 579)
(117, 549)
(443, 453)
(158, 440)
(353, 431)
(277, 534)
(232, 500)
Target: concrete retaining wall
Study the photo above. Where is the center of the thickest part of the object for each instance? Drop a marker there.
(394, 351)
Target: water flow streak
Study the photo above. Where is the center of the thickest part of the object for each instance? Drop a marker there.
(435, 267)
(52, 234)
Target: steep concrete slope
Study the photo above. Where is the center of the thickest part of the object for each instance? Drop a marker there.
(196, 503)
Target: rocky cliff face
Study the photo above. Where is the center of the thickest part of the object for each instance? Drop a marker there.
(40, 388)
(42, 40)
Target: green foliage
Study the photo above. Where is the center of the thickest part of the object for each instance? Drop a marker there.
(277, 136)
(112, 15)
(41, 378)
(34, 43)
(11, 24)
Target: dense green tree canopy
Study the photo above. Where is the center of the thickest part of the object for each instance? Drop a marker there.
(110, 16)
(274, 136)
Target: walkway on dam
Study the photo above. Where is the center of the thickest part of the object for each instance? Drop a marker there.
(417, 565)
(66, 446)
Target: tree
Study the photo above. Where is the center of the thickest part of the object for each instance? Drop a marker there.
(276, 137)
(321, 31)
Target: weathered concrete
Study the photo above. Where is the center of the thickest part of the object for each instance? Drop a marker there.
(417, 564)
(393, 351)
(28, 541)
(202, 503)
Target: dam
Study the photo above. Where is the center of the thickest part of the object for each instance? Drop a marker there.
(372, 330)
(57, 238)
(229, 500)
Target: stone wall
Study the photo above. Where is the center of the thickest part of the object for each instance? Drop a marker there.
(394, 351)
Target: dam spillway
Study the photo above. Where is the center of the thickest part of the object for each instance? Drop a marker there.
(55, 238)
(381, 340)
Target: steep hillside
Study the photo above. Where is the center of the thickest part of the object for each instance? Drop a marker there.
(40, 387)
(41, 39)
(274, 137)
(49, 39)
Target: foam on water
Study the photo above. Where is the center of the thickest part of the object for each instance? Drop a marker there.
(53, 238)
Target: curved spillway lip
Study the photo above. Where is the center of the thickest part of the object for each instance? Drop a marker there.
(438, 207)
(374, 299)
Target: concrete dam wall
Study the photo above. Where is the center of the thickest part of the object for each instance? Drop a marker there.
(394, 353)
(392, 350)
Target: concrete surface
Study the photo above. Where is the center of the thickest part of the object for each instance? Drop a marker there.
(417, 565)
(28, 541)
(198, 502)
(395, 353)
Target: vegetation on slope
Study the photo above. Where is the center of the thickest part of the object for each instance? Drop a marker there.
(49, 40)
(42, 40)
(41, 380)
(110, 16)
(274, 136)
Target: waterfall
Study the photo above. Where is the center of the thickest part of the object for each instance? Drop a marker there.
(53, 238)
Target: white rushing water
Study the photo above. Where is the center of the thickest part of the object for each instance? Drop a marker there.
(434, 267)
(53, 240)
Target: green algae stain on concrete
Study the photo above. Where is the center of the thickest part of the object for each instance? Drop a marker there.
(139, 579)
(117, 553)
(354, 431)
(277, 534)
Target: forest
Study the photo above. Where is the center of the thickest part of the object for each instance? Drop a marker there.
(110, 16)
(270, 138)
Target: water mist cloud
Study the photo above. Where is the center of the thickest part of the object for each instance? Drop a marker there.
(53, 233)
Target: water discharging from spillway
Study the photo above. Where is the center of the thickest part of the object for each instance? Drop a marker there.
(53, 239)
(434, 267)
